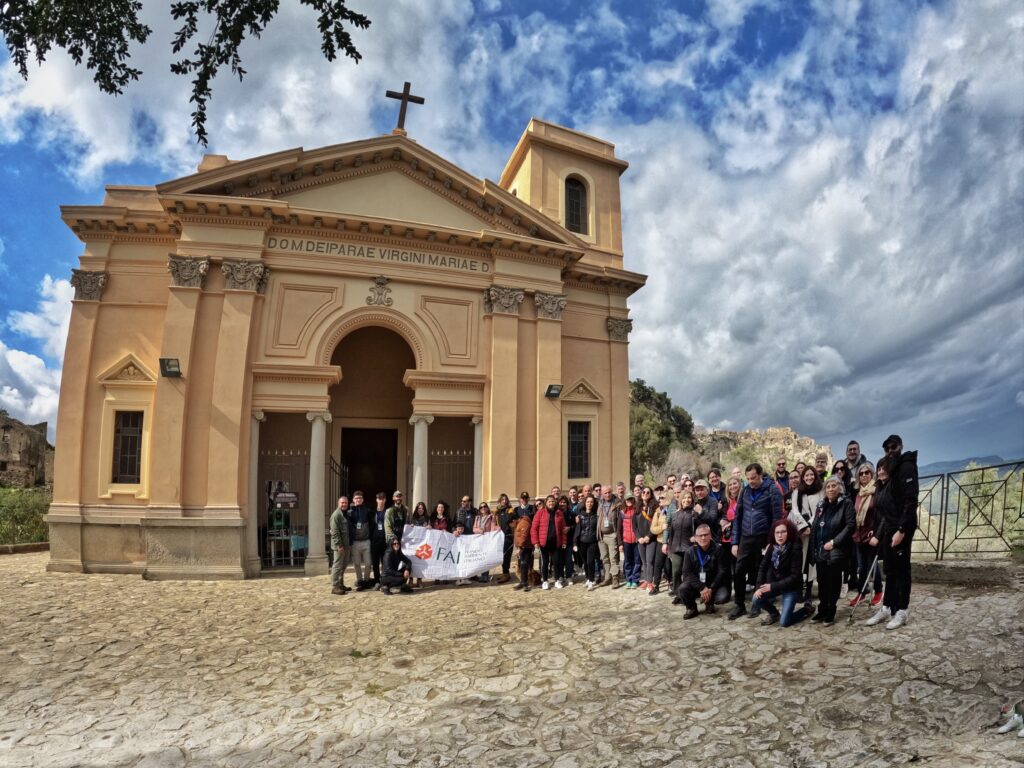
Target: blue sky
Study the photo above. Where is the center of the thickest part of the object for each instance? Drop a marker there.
(828, 197)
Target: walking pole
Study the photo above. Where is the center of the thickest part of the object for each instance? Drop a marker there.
(863, 589)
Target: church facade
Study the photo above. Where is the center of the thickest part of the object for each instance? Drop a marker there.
(366, 315)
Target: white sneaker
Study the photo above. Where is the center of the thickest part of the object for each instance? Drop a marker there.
(898, 620)
(558, 584)
(884, 614)
(590, 586)
(1015, 721)
(544, 585)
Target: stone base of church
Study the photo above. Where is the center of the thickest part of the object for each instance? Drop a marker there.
(158, 549)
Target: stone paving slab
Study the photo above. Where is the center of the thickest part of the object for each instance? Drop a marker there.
(113, 671)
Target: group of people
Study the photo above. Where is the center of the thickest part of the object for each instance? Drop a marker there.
(767, 536)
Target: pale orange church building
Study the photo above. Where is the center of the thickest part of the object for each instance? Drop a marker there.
(366, 315)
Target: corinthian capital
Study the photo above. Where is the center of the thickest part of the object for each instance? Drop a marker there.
(503, 300)
(618, 330)
(88, 285)
(187, 272)
(549, 305)
(245, 275)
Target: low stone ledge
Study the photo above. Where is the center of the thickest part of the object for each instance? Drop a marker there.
(17, 549)
(967, 572)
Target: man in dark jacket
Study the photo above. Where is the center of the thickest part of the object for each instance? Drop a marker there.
(361, 523)
(702, 574)
(760, 504)
(895, 533)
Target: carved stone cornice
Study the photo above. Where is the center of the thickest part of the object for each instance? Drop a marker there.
(244, 275)
(379, 293)
(503, 300)
(188, 272)
(549, 305)
(88, 285)
(618, 329)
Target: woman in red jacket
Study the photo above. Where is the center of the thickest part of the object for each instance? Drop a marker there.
(548, 533)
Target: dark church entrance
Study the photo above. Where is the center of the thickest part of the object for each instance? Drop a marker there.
(371, 456)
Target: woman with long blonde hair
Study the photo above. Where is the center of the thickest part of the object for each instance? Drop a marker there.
(864, 507)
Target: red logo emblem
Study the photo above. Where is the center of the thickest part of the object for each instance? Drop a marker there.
(424, 552)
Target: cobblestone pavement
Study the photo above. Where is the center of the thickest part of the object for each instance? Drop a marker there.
(116, 671)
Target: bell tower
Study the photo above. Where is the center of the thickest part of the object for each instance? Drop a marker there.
(573, 179)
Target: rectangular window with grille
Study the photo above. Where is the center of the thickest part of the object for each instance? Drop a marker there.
(127, 446)
(579, 449)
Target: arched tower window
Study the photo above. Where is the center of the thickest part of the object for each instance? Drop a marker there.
(575, 205)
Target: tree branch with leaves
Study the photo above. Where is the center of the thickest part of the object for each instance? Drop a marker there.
(100, 35)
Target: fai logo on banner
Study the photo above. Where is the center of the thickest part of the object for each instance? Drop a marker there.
(424, 552)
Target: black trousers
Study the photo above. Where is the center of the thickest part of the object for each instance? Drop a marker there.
(897, 573)
(748, 561)
(690, 594)
(392, 581)
(550, 559)
(727, 563)
(377, 549)
(830, 584)
(525, 564)
(588, 552)
(506, 557)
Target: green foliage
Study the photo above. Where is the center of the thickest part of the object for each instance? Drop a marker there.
(655, 426)
(649, 439)
(21, 515)
(100, 34)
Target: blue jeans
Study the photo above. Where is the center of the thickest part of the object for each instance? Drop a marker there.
(789, 600)
(631, 563)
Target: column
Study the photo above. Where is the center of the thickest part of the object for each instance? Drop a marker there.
(503, 304)
(618, 399)
(549, 371)
(244, 284)
(478, 458)
(316, 554)
(253, 566)
(170, 414)
(420, 456)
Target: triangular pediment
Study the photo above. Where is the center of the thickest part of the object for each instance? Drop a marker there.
(581, 391)
(127, 370)
(389, 177)
(388, 194)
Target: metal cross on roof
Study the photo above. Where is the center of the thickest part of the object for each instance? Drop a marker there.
(405, 98)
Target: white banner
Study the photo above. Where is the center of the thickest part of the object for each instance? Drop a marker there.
(442, 555)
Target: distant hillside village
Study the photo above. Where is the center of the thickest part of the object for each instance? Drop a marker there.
(26, 459)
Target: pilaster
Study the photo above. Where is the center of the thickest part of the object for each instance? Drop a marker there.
(503, 303)
(170, 414)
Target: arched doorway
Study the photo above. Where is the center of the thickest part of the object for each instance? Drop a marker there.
(371, 407)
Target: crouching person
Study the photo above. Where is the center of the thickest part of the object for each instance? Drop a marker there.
(397, 568)
(702, 573)
(781, 576)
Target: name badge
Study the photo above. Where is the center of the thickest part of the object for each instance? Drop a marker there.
(703, 577)
(359, 526)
